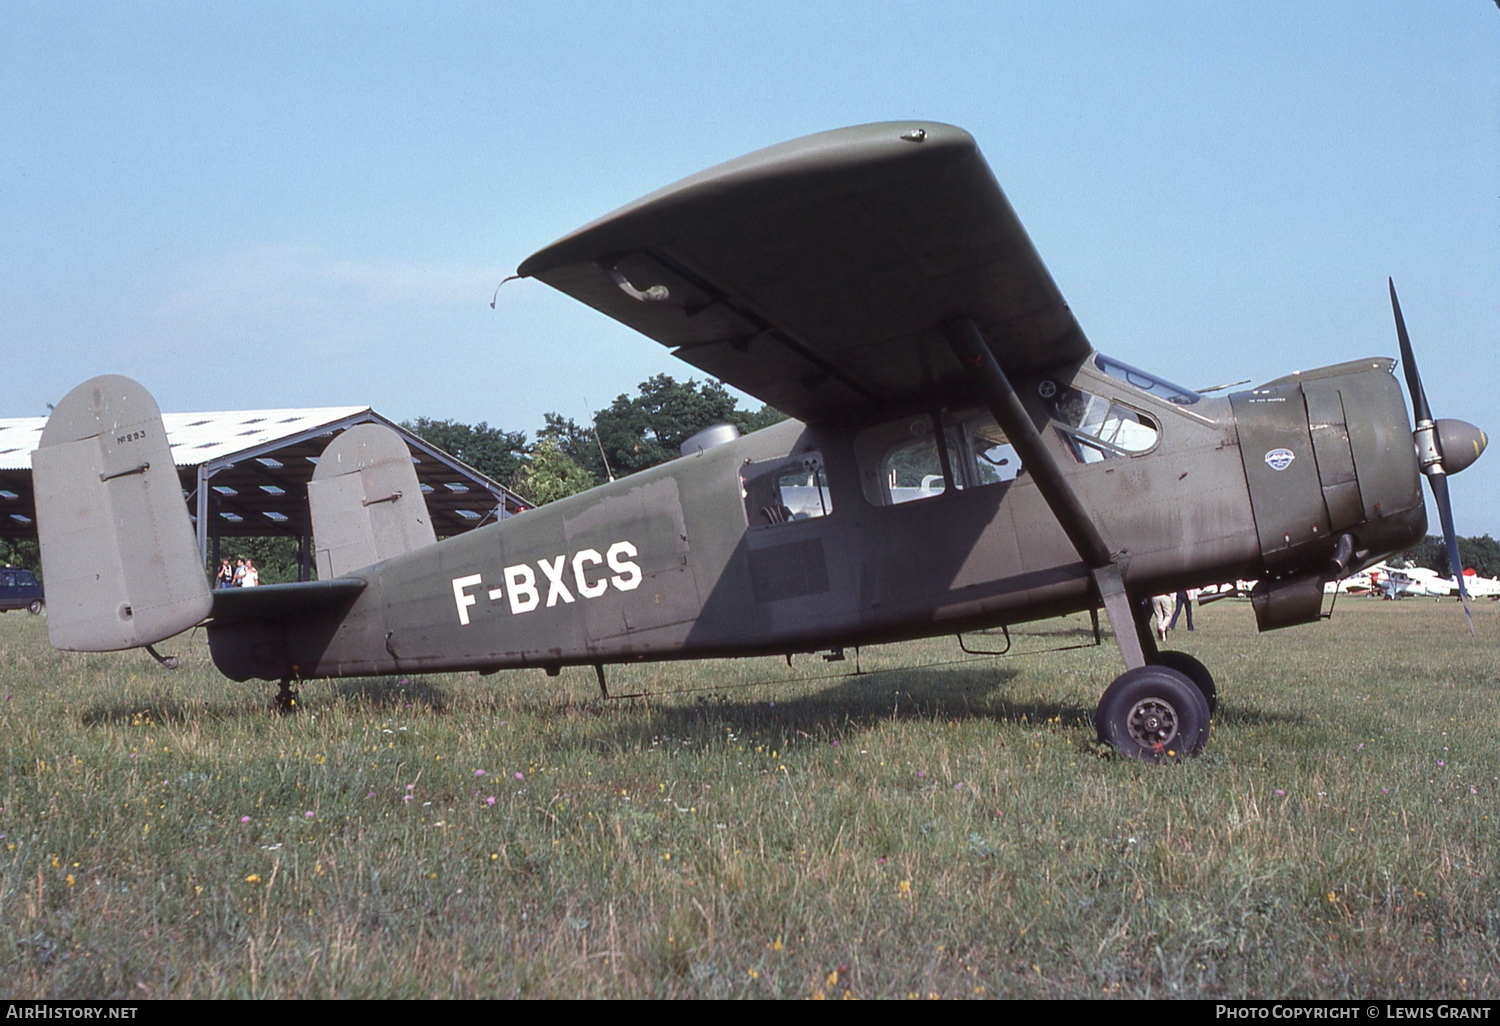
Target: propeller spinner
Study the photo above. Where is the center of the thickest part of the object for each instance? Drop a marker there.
(1443, 447)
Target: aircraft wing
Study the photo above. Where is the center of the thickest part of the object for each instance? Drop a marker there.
(816, 275)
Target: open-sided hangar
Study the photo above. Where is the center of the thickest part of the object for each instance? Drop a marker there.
(244, 473)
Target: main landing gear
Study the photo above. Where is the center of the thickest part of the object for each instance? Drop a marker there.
(1159, 707)
(1154, 712)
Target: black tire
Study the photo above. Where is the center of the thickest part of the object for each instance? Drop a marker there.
(35, 608)
(1153, 713)
(1194, 671)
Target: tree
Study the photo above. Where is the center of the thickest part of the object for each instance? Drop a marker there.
(647, 429)
(551, 474)
(574, 442)
(22, 552)
(495, 453)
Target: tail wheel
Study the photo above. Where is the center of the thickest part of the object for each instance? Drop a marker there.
(1153, 713)
(1194, 671)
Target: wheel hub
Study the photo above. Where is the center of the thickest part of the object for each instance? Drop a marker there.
(1152, 722)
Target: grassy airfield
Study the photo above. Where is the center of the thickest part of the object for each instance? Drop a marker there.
(949, 831)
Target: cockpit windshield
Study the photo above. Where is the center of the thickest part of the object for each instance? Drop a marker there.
(1158, 387)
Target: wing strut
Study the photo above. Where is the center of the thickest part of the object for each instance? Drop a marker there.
(1136, 644)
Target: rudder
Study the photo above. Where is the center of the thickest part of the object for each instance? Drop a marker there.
(119, 558)
(366, 502)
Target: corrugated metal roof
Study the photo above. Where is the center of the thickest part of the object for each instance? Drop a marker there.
(257, 464)
(195, 437)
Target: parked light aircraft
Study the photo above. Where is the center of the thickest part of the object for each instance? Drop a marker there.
(960, 457)
(1418, 580)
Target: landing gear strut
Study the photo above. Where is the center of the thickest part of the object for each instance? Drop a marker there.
(288, 698)
(1158, 708)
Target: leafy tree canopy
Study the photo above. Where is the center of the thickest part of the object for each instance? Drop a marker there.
(644, 430)
(495, 453)
(551, 474)
(21, 552)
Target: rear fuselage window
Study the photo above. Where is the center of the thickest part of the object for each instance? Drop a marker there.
(785, 490)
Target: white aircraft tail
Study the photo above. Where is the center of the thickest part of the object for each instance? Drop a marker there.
(366, 503)
(119, 559)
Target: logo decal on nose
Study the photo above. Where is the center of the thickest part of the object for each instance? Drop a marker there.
(1279, 459)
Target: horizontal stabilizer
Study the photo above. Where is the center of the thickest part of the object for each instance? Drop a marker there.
(283, 601)
(119, 558)
(366, 502)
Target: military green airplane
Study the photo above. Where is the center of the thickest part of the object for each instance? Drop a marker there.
(960, 458)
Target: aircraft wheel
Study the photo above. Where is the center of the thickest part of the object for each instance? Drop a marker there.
(1153, 713)
(1194, 671)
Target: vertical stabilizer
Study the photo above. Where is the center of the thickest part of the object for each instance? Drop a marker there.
(119, 560)
(366, 502)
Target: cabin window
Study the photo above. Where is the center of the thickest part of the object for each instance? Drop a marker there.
(989, 456)
(785, 490)
(909, 460)
(1097, 429)
(901, 461)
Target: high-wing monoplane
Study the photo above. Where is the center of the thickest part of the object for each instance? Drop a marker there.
(960, 457)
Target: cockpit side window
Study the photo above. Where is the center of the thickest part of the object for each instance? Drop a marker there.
(1097, 429)
(785, 490)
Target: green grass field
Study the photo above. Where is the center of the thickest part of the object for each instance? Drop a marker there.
(951, 830)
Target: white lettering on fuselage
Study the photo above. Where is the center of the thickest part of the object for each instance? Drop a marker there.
(520, 580)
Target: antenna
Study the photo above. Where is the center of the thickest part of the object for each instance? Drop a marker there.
(497, 289)
(595, 429)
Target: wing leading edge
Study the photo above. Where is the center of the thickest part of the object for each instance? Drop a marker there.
(816, 275)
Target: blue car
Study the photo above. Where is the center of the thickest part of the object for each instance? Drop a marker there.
(19, 589)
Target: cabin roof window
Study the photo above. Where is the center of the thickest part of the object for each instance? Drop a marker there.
(1159, 387)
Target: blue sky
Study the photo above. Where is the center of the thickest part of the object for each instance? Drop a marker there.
(260, 205)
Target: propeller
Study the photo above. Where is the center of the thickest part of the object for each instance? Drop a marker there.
(1430, 437)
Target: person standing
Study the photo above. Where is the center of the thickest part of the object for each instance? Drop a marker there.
(225, 576)
(1161, 611)
(1184, 602)
(252, 575)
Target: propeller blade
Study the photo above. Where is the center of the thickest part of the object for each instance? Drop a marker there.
(1408, 361)
(1439, 483)
(1430, 452)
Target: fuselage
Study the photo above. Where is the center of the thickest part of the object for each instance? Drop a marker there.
(807, 536)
